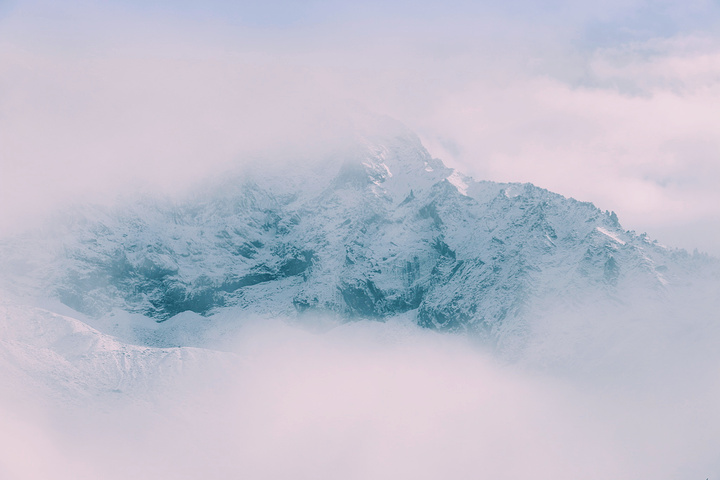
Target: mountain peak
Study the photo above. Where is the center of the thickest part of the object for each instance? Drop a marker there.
(375, 230)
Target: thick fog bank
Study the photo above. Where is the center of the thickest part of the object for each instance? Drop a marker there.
(588, 399)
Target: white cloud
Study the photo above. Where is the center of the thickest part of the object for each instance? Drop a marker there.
(639, 137)
(163, 100)
(391, 400)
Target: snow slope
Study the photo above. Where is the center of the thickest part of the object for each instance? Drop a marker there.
(62, 359)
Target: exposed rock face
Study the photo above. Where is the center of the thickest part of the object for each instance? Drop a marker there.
(377, 231)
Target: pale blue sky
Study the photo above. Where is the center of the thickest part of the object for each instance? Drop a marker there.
(584, 22)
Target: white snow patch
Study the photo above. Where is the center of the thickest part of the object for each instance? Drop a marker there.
(428, 168)
(610, 234)
(389, 173)
(513, 191)
(458, 182)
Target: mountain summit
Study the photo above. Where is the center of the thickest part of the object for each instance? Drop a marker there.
(373, 231)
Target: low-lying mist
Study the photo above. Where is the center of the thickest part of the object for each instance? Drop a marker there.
(627, 395)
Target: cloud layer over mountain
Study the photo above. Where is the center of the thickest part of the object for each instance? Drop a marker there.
(611, 103)
(374, 400)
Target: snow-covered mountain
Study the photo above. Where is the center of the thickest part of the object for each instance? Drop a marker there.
(373, 231)
(64, 359)
(161, 335)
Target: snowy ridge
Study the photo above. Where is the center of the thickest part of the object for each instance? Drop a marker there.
(65, 358)
(377, 230)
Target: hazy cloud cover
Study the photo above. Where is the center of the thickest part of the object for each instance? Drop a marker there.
(613, 103)
(390, 400)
